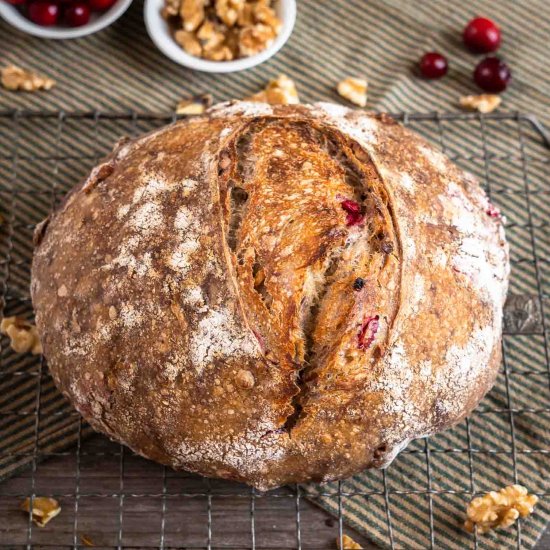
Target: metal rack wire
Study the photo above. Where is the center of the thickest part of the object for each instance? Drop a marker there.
(113, 499)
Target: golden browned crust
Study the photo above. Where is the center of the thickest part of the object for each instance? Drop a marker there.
(198, 298)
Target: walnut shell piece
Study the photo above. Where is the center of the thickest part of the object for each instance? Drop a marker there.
(189, 42)
(354, 90)
(347, 543)
(255, 38)
(228, 10)
(279, 91)
(44, 509)
(16, 78)
(484, 103)
(22, 334)
(171, 9)
(195, 105)
(499, 509)
(192, 13)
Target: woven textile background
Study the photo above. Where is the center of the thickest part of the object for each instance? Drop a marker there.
(120, 69)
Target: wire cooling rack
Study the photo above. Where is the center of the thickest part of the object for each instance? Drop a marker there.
(111, 498)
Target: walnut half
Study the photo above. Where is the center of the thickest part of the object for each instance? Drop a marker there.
(484, 103)
(499, 509)
(188, 41)
(348, 544)
(16, 78)
(44, 509)
(255, 38)
(279, 91)
(195, 105)
(354, 90)
(22, 334)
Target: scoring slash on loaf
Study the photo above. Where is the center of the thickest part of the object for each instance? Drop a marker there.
(273, 294)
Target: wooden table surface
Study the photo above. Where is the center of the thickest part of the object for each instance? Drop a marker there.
(186, 518)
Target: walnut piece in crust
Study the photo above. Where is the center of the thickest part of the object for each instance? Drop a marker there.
(348, 543)
(222, 30)
(484, 103)
(279, 91)
(44, 509)
(245, 379)
(16, 78)
(22, 334)
(194, 105)
(354, 90)
(499, 509)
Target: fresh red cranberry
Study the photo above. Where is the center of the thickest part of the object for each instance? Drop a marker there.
(100, 5)
(43, 12)
(481, 35)
(433, 65)
(353, 209)
(492, 75)
(368, 331)
(77, 14)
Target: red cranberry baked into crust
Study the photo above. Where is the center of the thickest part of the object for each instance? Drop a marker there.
(273, 294)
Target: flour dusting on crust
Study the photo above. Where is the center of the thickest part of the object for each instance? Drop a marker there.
(244, 453)
(241, 108)
(215, 338)
(362, 129)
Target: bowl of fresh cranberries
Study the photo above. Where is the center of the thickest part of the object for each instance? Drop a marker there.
(61, 18)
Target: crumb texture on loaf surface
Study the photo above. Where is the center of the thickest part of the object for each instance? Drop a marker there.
(210, 316)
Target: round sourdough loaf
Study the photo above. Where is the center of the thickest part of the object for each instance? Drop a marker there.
(273, 294)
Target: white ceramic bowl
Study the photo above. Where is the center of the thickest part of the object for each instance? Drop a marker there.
(97, 22)
(161, 35)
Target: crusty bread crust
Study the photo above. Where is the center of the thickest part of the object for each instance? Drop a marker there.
(273, 294)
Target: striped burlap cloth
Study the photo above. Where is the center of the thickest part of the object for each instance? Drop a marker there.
(120, 69)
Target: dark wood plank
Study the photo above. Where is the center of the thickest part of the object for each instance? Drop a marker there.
(185, 517)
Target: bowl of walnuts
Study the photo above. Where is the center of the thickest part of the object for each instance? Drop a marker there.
(219, 36)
